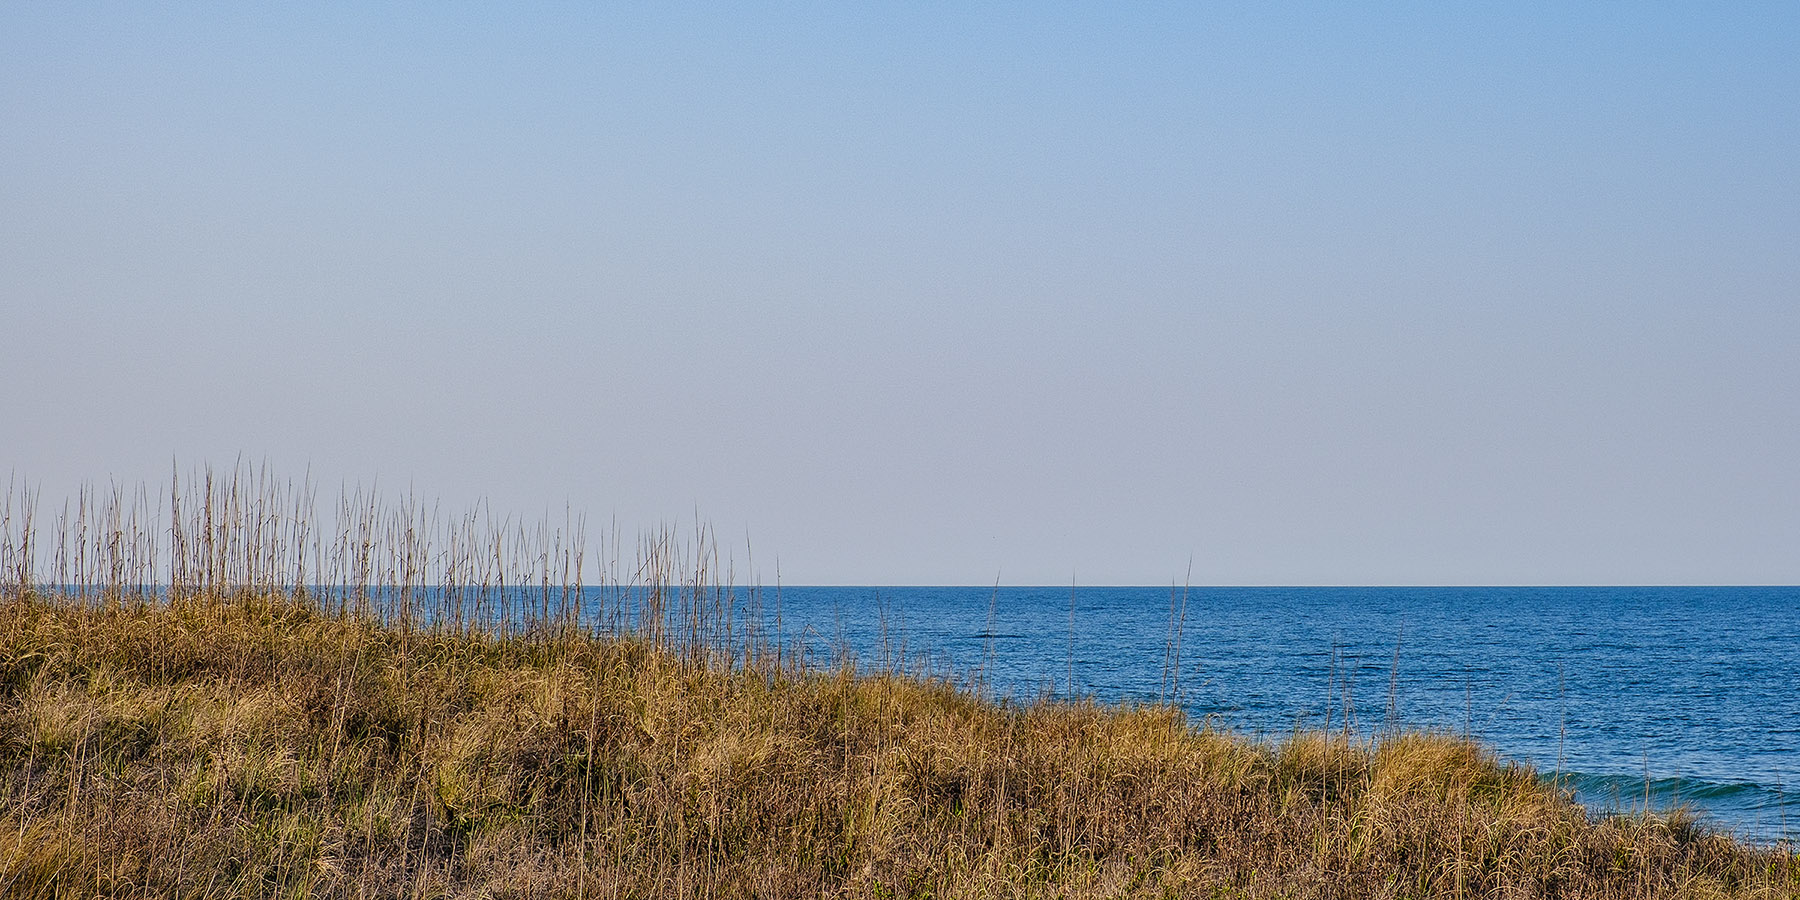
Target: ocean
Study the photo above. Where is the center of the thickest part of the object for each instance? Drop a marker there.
(1665, 695)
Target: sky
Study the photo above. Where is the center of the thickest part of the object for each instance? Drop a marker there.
(1493, 293)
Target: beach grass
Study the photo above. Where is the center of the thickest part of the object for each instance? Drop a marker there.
(230, 728)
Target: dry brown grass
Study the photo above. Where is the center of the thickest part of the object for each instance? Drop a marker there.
(235, 734)
(265, 748)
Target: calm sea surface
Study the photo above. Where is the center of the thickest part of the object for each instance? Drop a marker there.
(1685, 694)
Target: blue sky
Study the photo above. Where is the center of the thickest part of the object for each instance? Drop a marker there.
(1431, 293)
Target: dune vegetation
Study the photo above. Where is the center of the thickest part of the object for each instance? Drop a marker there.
(212, 696)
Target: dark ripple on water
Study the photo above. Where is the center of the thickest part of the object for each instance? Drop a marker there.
(1686, 691)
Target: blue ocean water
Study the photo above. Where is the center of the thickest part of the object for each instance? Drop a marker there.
(1671, 694)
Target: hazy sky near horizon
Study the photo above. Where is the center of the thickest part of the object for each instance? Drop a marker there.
(934, 293)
